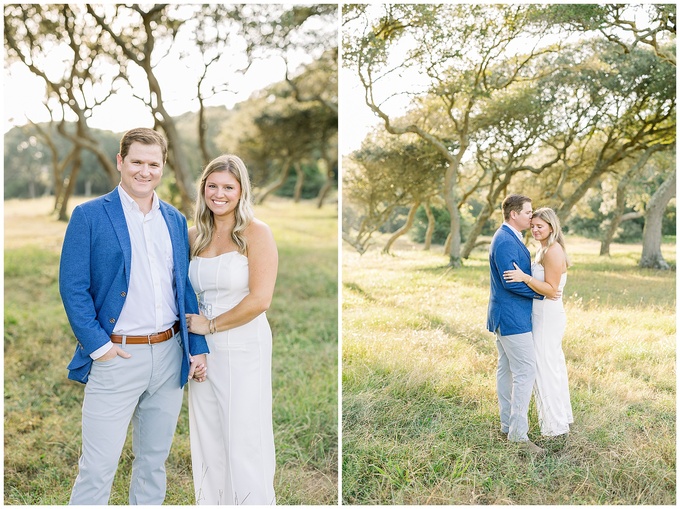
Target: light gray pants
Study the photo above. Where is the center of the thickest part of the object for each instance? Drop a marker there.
(515, 381)
(145, 389)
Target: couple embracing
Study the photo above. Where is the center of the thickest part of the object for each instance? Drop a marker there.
(130, 272)
(527, 316)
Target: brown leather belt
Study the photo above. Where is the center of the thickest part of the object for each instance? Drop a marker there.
(147, 340)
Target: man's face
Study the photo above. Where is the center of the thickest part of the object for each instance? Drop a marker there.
(523, 218)
(141, 170)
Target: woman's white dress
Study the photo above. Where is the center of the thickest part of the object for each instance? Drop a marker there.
(230, 414)
(551, 389)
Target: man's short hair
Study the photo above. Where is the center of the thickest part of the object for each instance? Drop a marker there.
(144, 136)
(514, 202)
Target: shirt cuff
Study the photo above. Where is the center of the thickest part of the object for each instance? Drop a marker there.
(101, 351)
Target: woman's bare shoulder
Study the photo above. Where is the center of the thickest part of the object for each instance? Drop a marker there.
(258, 229)
(555, 255)
(555, 250)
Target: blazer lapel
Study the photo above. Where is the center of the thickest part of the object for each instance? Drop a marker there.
(114, 209)
(178, 253)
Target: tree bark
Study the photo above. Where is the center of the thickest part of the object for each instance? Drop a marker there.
(431, 223)
(613, 226)
(328, 184)
(407, 226)
(202, 129)
(84, 139)
(361, 247)
(60, 190)
(485, 214)
(176, 155)
(323, 192)
(651, 234)
(142, 56)
(68, 191)
(297, 194)
(619, 215)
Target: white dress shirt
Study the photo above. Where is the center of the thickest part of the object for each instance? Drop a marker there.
(150, 304)
(518, 233)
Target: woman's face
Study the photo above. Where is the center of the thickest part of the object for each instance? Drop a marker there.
(222, 192)
(540, 229)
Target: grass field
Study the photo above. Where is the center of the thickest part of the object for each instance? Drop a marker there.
(420, 416)
(42, 407)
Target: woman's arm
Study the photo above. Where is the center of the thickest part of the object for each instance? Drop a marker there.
(263, 261)
(553, 264)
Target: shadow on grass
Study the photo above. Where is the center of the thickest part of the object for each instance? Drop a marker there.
(354, 287)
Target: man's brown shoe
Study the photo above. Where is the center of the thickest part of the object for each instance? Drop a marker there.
(531, 448)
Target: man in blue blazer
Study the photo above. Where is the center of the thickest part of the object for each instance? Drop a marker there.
(124, 283)
(509, 317)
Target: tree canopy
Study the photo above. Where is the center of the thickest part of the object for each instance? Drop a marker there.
(550, 101)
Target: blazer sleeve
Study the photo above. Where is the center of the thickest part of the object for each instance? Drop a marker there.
(75, 284)
(197, 343)
(505, 256)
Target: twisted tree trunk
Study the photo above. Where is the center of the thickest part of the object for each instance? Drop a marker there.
(651, 234)
(407, 226)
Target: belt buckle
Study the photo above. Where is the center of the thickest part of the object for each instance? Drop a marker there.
(148, 338)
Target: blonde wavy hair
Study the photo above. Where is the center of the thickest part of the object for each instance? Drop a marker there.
(205, 223)
(549, 216)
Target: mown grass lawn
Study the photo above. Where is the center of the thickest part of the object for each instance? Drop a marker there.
(43, 408)
(420, 417)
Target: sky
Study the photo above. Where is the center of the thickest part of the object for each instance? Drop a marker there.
(357, 119)
(24, 93)
(360, 118)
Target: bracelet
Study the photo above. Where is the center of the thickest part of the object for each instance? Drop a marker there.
(211, 326)
(530, 278)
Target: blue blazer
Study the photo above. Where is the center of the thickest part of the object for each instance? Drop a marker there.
(510, 303)
(94, 274)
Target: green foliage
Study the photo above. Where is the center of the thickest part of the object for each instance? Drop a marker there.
(653, 25)
(278, 27)
(216, 119)
(299, 127)
(313, 181)
(395, 221)
(442, 226)
(592, 216)
(385, 177)
(585, 16)
(289, 131)
(28, 160)
(28, 163)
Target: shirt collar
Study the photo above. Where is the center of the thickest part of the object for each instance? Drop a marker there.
(129, 203)
(516, 232)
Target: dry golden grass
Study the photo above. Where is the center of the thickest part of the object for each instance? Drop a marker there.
(420, 415)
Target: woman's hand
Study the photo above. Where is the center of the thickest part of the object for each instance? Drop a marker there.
(515, 276)
(198, 370)
(198, 324)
